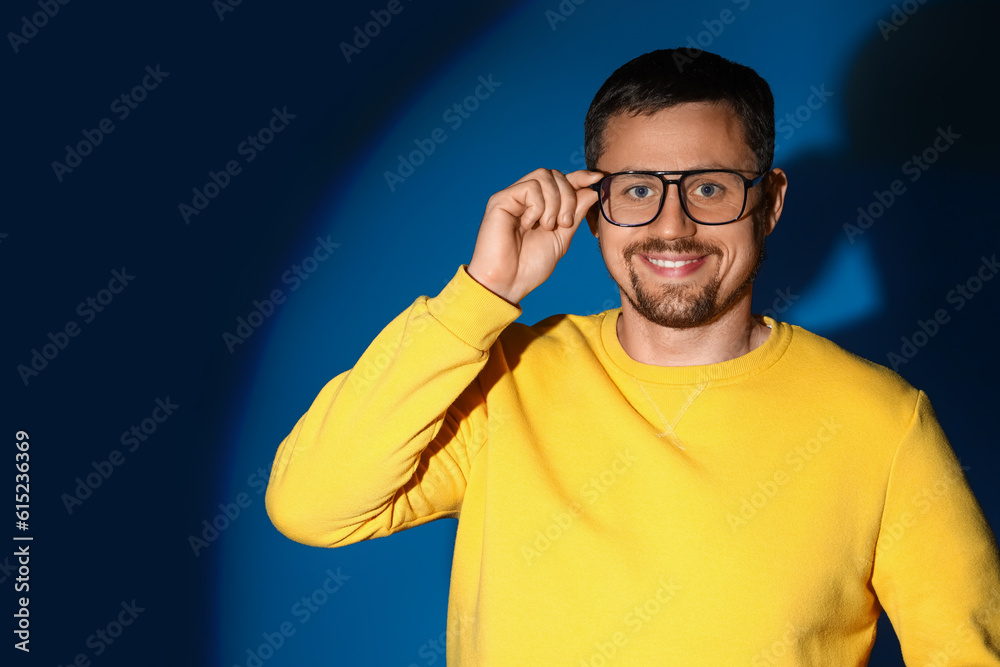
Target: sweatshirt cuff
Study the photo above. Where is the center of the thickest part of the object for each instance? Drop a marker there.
(471, 311)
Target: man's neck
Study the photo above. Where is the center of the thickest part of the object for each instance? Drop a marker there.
(735, 333)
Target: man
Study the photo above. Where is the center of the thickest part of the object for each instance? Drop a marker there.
(675, 481)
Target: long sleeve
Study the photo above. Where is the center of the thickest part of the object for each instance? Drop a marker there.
(936, 569)
(388, 444)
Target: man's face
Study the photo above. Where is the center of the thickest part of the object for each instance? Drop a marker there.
(709, 268)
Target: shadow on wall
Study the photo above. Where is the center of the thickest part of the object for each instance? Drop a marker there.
(905, 216)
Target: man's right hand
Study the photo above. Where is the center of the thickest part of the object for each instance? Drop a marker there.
(527, 229)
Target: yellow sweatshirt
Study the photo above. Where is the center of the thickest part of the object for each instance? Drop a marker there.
(759, 511)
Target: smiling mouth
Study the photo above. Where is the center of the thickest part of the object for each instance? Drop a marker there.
(668, 264)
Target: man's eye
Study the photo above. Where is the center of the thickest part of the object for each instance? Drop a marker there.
(707, 190)
(640, 191)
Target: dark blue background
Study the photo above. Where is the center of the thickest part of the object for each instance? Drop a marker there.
(323, 176)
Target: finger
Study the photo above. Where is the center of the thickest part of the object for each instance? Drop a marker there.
(553, 197)
(586, 196)
(585, 200)
(583, 178)
(566, 234)
(567, 200)
(552, 193)
(524, 202)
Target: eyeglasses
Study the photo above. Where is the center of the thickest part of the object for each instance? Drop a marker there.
(708, 196)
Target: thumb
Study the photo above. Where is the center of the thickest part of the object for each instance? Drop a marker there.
(585, 200)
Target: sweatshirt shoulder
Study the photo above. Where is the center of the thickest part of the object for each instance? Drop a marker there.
(557, 334)
(838, 369)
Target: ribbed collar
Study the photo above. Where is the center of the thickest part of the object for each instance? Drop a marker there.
(735, 369)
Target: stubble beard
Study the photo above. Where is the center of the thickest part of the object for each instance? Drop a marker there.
(685, 306)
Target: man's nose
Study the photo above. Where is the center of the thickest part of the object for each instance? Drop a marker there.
(672, 222)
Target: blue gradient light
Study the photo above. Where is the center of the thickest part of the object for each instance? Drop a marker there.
(846, 291)
(397, 244)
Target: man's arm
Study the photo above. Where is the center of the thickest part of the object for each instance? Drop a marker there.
(388, 444)
(937, 570)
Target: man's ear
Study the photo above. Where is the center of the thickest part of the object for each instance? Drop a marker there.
(776, 184)
(592, 219)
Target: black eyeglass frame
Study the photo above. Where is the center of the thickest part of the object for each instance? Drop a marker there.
(667, 182)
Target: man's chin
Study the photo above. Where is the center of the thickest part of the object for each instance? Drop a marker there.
(678, 320)
(678, 309)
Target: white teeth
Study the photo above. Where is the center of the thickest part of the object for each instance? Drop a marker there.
(667, 264)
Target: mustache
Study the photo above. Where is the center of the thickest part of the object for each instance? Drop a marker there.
(662, 246)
